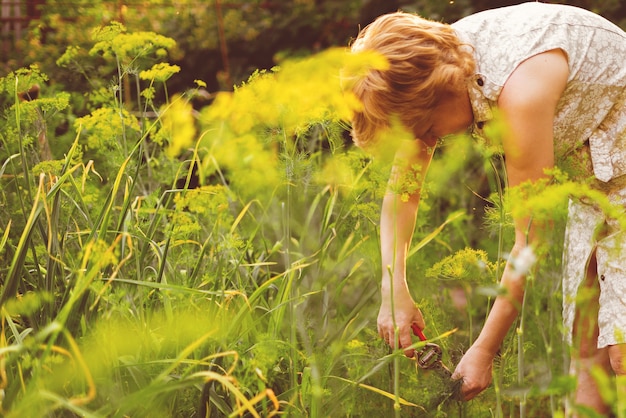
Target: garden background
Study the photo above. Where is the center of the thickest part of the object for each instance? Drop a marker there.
(186, 229)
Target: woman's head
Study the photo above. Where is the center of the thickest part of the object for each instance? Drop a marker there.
(427, 63)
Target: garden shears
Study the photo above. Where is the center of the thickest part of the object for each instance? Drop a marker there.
(429, 357)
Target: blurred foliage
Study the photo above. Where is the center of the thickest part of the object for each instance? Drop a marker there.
(223, 42)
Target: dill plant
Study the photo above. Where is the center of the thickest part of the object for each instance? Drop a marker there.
(135, 260)
(75, 238)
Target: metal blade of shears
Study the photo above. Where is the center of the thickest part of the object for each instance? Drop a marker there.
(429, 357)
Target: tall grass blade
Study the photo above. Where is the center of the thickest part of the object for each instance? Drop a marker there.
(5, 235)
(14, 274)
(428, 238)
(381, 392)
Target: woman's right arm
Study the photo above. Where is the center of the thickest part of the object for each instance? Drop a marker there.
(399, 211)
(528, 103)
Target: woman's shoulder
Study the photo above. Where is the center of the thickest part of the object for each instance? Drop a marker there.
(531, 15)
(529, 22)
(503, 38)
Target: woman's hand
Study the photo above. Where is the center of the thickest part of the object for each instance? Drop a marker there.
(475, 369)
(406, 314)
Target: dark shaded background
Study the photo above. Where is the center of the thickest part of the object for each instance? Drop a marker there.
(220, 41)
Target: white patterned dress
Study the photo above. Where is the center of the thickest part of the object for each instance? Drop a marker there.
(589, 129)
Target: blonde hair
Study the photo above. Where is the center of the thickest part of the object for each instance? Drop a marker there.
(427, 62)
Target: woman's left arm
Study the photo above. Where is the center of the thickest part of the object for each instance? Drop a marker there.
(528, 104)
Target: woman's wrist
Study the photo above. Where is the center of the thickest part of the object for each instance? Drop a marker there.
(397, 284)
(486, 347)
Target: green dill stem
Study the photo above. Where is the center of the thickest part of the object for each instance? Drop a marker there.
(292, 289)
(121, 92)
(520, 359)
(520, 344)
(396, 359)
(18, 124)
(138, 88)
(502, 215)
(498, 183)
(166, 93)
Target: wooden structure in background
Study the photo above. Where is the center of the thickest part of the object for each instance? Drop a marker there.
(15, 16)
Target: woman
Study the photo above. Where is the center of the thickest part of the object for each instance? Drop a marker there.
(557, 76)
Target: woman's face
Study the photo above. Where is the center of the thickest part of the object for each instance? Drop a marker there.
(452, 116)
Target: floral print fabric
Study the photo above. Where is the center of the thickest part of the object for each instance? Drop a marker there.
(588, 228)
(589, 128)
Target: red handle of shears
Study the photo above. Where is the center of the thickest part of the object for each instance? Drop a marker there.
(417, 331)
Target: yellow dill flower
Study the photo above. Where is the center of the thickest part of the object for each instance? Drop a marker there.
(294, 95)
(178, 126)
(159, 72)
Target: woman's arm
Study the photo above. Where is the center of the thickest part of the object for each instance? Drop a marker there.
(528, 103)
(399, 211)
